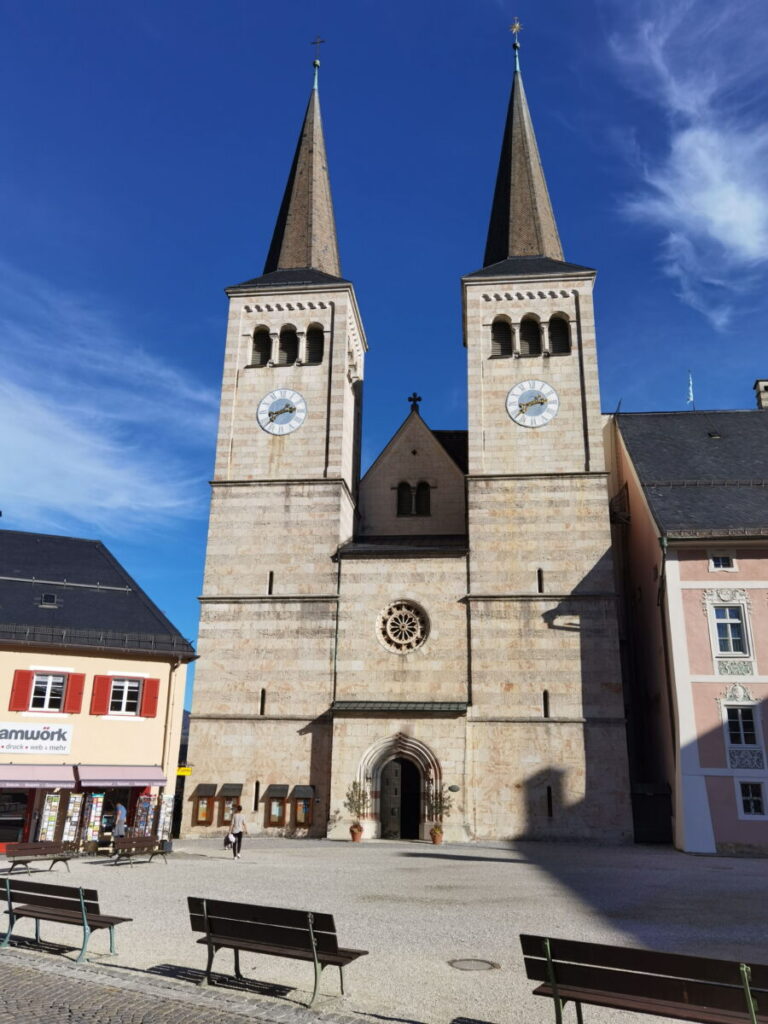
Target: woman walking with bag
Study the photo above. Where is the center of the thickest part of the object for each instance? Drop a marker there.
(237, 828)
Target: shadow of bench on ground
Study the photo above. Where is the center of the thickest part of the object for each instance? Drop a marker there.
(222, 981)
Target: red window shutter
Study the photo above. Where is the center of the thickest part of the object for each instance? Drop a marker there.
(21, 691)
(102, 688)
(150, 692)
(73, 693)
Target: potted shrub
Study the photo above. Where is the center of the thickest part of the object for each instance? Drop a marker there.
(440, 805)
(357, 804)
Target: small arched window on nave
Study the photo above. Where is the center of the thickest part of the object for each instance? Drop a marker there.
(501, 338)
(262, 347)
(315, 344)
(530, 337)
(423, 498)
(404, 499)
(559, 335)
(288, 346)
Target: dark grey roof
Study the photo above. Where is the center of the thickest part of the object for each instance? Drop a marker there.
(230, 789)
(530, 266)
(288, 279)
(406, 546)
(455, 443)
(703, 473)
(302, 792)
(96, 603)
(419, 707)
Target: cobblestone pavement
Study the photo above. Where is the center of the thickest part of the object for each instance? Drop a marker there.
(39, 989)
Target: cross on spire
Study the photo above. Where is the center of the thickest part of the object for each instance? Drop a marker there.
(414, 399)
(317, 43)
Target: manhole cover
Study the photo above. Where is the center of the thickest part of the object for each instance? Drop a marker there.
(473, 965)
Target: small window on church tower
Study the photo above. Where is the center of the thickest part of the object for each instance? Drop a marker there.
(501, 338)
(530, 337)
(288, 348)
(262, 347)
(559, 336)
(315, 345)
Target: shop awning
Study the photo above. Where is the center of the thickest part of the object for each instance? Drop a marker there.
(303, 793)
(36, 776)
(277, 792)
(231, 789)
(120, 775)
(205, 789)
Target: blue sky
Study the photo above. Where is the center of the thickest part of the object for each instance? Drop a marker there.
(146, 147)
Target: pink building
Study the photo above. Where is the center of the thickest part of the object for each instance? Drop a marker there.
(690, 510)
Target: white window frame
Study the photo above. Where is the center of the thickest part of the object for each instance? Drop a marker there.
(118, 680)
(742, 621)
(743, 816)
(49, 678)
(712, 555)
(726, 598)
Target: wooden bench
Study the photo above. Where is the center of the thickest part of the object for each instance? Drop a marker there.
(26, 853)
(273, 931)
(692, 988)
(62, 903)
(128, 847)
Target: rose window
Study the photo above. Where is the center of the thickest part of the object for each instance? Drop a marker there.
(402, 627)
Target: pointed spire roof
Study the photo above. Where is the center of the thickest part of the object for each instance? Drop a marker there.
(305, 232)
(522, 222)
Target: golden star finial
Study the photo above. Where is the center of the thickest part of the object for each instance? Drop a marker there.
(516, 28)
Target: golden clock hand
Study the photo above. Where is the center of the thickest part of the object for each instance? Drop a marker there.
(539, 400)
(279, 412)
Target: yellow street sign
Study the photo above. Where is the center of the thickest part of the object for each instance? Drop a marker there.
(184, 770)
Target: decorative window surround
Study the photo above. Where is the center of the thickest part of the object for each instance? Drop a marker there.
(726, 557)
(748, 752)
(729, 663)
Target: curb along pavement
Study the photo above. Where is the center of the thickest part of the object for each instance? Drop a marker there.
(110, 994)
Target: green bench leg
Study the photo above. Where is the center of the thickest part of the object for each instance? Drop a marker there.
(341, 975)
(579, 1018)
(11, 922)
(318, 972)
(112, 949)
(37, 930)
(84, 950)
(238, 975)
(208, 980)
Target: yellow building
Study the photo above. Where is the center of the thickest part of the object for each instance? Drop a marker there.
(93, 679)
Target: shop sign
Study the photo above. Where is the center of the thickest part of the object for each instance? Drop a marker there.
(184, 770)
(34, 739)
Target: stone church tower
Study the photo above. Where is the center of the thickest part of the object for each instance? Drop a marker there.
(448, 621)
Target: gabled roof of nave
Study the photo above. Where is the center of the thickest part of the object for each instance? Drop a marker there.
(451, 442)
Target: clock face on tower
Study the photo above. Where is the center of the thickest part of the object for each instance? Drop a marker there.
(281, 411)
(532, 403)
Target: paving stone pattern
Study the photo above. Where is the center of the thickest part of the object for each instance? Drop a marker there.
(34, 990)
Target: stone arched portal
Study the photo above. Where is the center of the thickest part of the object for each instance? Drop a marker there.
(383, 752)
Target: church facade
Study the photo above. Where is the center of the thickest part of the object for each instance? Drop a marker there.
(447, 623)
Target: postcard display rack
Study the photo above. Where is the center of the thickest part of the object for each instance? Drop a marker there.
(165, 816)
(72, 818)
(94, 804)
(49, 818)
(144, 817)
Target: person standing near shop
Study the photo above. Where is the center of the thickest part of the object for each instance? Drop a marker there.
(118, 829)
(237, 828)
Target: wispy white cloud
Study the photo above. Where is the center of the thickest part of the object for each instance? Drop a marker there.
(99, 434)
(706, 178)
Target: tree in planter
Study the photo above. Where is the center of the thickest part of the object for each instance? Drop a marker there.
(440, 805)
(357, 803)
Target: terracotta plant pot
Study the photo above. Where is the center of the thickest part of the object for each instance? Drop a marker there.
(436, 836)
(356, 832)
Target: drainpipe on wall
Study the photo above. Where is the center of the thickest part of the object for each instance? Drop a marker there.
(661, 601)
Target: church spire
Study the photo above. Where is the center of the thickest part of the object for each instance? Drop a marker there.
(522, 222)
(305, 232)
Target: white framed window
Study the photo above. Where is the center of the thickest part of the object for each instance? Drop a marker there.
(751, 797)
(124, 697)
(742, 728)
(730, 629)
(47, 692)
(722, 561)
